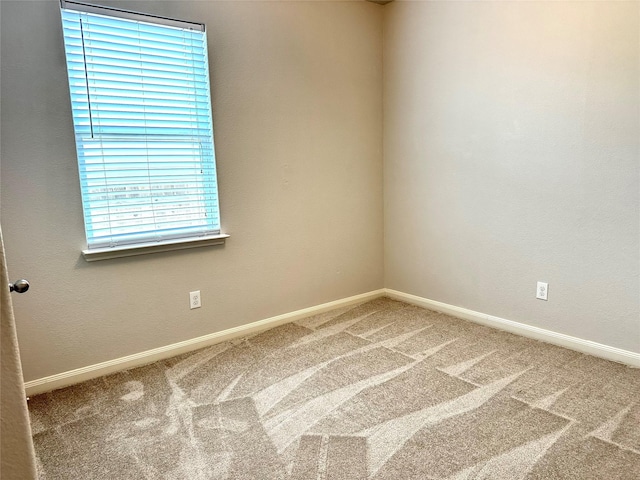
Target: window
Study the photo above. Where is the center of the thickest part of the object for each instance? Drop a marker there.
(140, 99)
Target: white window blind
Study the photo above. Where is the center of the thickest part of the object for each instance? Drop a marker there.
(141, 106)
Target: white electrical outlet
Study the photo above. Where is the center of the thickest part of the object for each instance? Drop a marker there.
(195, 301)
(542, 290)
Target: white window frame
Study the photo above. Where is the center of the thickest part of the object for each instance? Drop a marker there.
(144, 139)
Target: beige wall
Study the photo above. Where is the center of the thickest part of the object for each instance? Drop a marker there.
(297, 90)
(511, 156)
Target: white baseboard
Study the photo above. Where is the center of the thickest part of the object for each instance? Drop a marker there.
(78, 375)
(567, 341)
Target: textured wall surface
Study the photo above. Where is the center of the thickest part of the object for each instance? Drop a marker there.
(298, 128)
(511, 156)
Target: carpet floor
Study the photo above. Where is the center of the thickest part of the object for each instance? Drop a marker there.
(382, 390)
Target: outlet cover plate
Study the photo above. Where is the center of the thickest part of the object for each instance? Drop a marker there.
(542, 291)
(195, 301)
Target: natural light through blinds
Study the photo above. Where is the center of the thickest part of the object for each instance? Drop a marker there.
(141, 107)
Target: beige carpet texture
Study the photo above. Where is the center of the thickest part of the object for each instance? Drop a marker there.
(382, 390)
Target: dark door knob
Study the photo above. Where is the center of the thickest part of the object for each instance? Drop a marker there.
(20, 286)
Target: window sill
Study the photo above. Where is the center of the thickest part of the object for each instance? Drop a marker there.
(144, 248)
